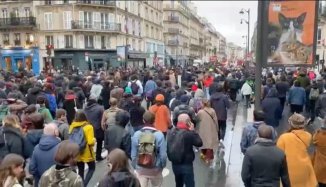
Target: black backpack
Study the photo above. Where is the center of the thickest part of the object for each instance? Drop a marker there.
(176, 145)
(134, 88)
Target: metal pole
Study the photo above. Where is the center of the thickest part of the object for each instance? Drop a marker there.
(248, 36)
(259, 54)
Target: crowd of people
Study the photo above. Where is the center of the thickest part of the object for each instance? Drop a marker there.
(53, 125)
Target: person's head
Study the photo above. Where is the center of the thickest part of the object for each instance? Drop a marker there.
(184, 99)
(80, 116)
(206, 103)
(113, 102)
(159, 99)
(11, 120)
(61, 115)
(265, 131)
(296, 83)
(283, 77)
(259, 115)
(148, 118)
(297, 121)
(122, 118)
(67, 153)
(41, 100)
(12, 165)
(30, 109)
(219, 88)
(37, 120)
(117, 161)
(183, 118)
(51, 129)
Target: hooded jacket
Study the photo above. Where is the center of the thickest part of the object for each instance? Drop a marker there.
(64, 177)
(31, 139)
(14, 140)
(271, 106)
(32, 94)
(43, 156)
(63, 128)
(220, 103)
(122, 178)
(117, 137)
(94, 113)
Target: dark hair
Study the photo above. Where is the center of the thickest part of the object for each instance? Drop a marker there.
(37, 120)
(30, 109)
(60, 113)
(296, 83)
(122, 118)
(80, 116)
(66, 151)
(149, 118)
(259, 115)
(40, 100)
(219, 88)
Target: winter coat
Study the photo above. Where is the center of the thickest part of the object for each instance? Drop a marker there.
(122, 178)
(199, 95)
(271, 106)
(105, 95)
(32, 95)
(246, 89)
(117, 137)
(65, 177)
(208, 126)
(31, 139)
(220, 103)
(135, 116)
(46, 114)
(96, 90)
(319, 157)
(110, 114)
(303, 80)
(69, 105)
(150, 86)
(321, 105)
(63, 128)
(162, 117)
(282, 88)
(295, 145)
(14, 140)
(87, 155)
(297, 96)
(264, 165)
(94, 113)
(43, 156)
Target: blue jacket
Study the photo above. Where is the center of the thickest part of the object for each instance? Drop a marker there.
(250, 134)
(160, 145)
(297, 96)
(31, 139)
(43, 156)
(150, 86)
(272, 108)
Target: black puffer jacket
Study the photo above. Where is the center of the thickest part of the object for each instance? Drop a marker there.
(117, 137)
(117, 179)
(321, 106)
(32, 95)
(14, 140)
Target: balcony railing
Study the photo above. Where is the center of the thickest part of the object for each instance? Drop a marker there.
(18, 22)
(173, 18)
(173, 30)
(116, 27)
(97, 2)
(173, 42)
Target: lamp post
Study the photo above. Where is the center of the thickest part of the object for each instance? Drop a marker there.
(242, 11)
(247, 45)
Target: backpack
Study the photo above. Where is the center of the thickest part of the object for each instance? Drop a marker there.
(4, 111)
(147, 149)
(314, 94)
(134, 88)
(3, 145)
(175, 145)
(78, 136)
(52, 102)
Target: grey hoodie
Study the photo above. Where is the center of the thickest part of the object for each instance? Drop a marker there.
(63, 128)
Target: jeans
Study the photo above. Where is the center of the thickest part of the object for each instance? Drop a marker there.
(99, 144)
(221, 129)
(184, 175)
(81, 170)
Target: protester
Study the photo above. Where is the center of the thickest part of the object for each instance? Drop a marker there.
(87, 155)
(184, 108)
(70, 105)
(62, 173)
(246, 91)
(12, 136)
(43, 155)
(282, 87)
(43, 110)
(297, 98)
(96, 89)
(319, 156)
(264, 164)
(208, 131)
(116, 136)
(12, 170)
(136, 111)
(61, 121)
(136, 86)
(295, 143)
(149, 173)
(109, 115)
(33, 135)
(162, 114)
(321, 105)
(180, 151)
(119, 173)
(272, 108)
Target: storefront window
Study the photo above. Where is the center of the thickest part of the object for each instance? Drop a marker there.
(8, 63)
(28, 63)
(20, 65)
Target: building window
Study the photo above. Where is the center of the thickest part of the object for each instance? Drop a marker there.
(319, 36)
(29, 39)
(67, 20)
(152, 32)
(65, 1)
(88, 20)
(103, 42)
(17, 39)
(68, 41)
(27, 12)
(48, 40)
(15, 12)
(48, 20)
(89, 41)
(48, 2)
(6, 39)
(4, 13)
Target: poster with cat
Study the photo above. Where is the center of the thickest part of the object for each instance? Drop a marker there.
(291, 33)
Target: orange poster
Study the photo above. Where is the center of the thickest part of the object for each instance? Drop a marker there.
(291, 32)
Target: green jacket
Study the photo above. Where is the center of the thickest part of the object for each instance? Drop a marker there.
(46, 114)
(65, 177)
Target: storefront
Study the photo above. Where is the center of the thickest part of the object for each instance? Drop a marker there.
(137, 59)
(84, 59)
(18, 58)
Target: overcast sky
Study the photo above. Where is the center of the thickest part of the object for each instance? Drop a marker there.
(224, 15)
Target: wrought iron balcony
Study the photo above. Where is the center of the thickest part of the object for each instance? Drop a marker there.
(97, 2)
(99, 26)
(173, 18)
(17, 22)
(173, 42)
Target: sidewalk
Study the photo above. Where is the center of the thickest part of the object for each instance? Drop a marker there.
(233, 155)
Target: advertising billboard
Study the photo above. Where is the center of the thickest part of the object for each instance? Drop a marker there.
(291, 33)
(121, 53)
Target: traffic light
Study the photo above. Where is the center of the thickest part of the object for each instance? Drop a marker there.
(49, 49)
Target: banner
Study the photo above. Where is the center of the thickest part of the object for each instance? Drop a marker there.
(291, 33)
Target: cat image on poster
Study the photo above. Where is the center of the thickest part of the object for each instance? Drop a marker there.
(290, 25)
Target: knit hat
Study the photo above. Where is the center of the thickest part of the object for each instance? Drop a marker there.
(184, 99)
(297, 121)
(159, 97)
(128, 90)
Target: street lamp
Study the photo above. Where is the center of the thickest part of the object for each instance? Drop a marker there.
(243, 11)
(246, 44)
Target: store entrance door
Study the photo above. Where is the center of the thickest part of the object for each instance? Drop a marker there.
(17, 64)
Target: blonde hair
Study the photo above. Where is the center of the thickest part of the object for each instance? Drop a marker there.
(206, 103)
(11, 120)
(9, 161)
